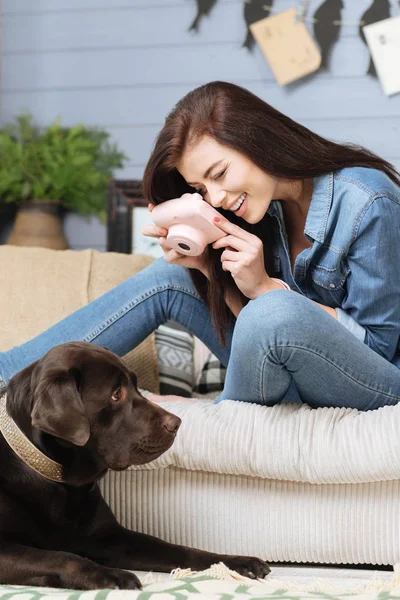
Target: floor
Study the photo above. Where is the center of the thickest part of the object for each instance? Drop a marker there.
(306, 574)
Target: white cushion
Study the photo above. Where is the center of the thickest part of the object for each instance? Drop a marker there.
(286, 442)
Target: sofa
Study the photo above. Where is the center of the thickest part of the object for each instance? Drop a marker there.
(287, 483)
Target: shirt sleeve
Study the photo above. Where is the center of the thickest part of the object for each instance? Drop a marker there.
(371, 308)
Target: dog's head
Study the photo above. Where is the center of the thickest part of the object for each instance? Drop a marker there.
(85, 395)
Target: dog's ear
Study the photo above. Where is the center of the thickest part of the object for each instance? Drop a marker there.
(58, 408)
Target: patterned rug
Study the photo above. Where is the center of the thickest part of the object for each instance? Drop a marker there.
(218, 583)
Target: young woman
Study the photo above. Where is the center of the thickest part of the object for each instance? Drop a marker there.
(301, 298)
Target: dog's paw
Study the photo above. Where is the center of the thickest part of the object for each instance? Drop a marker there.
(111, 579)
(249, 566)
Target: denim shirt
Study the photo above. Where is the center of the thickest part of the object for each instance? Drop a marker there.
(353, 265)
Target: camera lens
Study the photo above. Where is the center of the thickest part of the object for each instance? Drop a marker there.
(183, 246)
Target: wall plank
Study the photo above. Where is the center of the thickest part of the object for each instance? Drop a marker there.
(38, 6)
(84, 233)
(351, 11)
(129, 27)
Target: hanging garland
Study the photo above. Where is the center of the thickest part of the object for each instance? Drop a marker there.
(254, 10)
(379, 10)
(327, 25)
(204, 7)
(326, 21)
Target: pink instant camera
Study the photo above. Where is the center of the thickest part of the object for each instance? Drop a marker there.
(189, 220)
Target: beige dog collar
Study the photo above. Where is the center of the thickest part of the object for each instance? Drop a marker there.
(32, 456)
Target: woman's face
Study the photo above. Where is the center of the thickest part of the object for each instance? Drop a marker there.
(227, 179)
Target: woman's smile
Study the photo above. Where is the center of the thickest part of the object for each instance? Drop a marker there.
(238, 203)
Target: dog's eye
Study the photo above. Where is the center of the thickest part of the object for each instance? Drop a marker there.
(117, 395)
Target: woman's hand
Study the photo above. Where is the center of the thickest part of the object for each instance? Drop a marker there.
(243, 257)
(172, 256)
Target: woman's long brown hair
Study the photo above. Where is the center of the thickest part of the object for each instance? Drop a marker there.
(280, 147)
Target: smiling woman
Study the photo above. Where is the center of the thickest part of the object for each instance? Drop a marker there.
(299, 298)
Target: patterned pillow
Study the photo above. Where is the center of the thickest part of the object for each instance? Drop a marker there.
(175, 359)
(212, 376)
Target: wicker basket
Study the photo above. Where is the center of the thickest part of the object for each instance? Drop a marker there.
(38, 223)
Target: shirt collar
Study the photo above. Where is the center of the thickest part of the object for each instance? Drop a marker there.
(320, 205)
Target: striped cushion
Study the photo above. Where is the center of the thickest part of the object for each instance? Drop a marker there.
(175, 360)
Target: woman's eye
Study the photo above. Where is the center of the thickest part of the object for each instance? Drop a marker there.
(220, 175)
(117, 395)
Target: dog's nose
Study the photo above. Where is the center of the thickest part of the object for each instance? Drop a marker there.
(171, 423)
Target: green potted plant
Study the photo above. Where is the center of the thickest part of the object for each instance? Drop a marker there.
(44, 169)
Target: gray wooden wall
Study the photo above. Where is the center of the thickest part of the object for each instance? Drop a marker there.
(122, 64)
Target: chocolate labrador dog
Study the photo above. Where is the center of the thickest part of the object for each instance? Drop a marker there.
(64, 421)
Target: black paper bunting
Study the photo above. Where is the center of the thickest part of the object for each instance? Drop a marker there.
(204, 7)
(254, 10)
(379, 10)
(327, 20)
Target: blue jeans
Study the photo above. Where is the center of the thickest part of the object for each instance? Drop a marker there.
(282, 346)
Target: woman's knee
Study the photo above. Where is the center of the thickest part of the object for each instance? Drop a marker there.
(278, 312)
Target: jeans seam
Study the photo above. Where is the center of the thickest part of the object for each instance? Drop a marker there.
(106, 324)
(299, 347)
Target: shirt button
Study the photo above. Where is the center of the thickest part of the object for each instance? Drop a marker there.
(331, 285)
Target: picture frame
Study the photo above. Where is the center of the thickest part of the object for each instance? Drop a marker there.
(127, 213)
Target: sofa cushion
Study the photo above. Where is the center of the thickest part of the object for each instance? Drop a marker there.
(175, 360)
(212, 376)
(40, 287)
(290, 442)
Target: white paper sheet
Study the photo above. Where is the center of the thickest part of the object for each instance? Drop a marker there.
(383, 40)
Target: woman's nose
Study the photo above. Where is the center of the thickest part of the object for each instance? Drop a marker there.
(216, 198)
